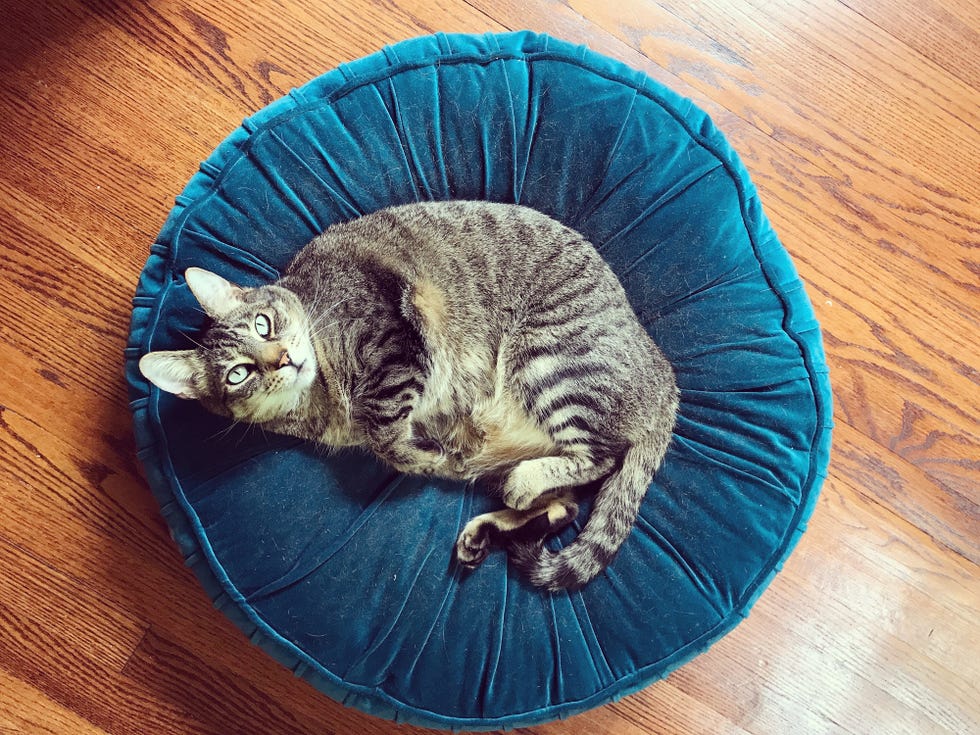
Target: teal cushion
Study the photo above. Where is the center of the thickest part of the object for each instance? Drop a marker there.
(341, 568)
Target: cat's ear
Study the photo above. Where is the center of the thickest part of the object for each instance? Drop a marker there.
(215, 295)
(179, 372)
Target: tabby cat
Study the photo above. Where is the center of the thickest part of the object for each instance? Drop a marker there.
(459, 339)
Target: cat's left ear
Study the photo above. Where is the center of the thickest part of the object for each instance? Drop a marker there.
(215, 295)
(178, 371)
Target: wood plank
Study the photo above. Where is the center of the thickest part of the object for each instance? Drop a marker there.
(860, 117)
(66, 617)
(57, 636)
(666, 708)
(920, 681)
(34, 465)
(839, 33)
(951, 519)
(175, 131)
(877, 340)
(25, 710)
(944, 31)
(858, 121)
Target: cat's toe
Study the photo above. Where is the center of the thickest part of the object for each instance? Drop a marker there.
(472, 546)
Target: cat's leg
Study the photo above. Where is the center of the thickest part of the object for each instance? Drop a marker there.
(502, 527)
(408, 450)
(534, 480)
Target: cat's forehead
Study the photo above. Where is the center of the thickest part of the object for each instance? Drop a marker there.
(251, 300)
(232, 331)
(225, 337)
(264, 296)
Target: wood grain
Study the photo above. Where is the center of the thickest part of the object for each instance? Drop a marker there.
(858, 120)
(26, 709)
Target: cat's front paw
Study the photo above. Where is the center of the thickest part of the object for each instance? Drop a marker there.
(473, 545)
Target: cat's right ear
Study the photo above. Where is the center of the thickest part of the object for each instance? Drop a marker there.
(179, 372)
(215, 295)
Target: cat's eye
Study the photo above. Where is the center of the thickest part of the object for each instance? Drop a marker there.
(263, 325)
(238, 374)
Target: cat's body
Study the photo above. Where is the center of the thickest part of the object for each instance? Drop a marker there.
(461, 339)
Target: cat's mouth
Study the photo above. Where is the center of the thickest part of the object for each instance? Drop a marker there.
(304, 368)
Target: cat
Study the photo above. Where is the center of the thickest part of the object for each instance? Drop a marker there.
(461, 339)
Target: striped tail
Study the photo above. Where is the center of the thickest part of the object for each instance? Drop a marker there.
(613, 514)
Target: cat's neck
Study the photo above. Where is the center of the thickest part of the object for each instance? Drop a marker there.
(338, 322)
(330, 402)
(323, 413)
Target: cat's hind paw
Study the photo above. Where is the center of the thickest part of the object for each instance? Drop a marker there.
(473, 545)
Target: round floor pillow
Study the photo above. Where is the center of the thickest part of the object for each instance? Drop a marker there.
(340, 567)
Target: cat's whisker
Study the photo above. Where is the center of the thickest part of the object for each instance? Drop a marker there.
(222, 433)
(334, 306)
(195, 342)
(323, 330)
(249, 426)
(317, 329)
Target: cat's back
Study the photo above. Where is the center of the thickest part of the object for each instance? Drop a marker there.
(494, 244)
(470, 271)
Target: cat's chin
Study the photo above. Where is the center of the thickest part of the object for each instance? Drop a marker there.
(274, 406)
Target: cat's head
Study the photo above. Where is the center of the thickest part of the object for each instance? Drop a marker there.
(254, 363)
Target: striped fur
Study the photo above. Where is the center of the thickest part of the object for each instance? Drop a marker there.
(461, 339)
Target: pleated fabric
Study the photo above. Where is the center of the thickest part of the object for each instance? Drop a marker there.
(341, 568)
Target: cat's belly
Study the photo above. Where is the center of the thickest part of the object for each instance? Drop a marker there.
(491, 430)
(506, 435)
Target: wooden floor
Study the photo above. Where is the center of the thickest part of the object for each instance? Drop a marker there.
(858, 120)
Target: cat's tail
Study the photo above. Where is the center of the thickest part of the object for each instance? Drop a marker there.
(615, 509)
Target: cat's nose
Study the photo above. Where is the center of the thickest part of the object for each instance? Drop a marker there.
(284, 359)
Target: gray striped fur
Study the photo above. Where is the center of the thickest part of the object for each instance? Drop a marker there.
(460, 339)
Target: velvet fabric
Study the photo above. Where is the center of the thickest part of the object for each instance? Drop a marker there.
(340, 567)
